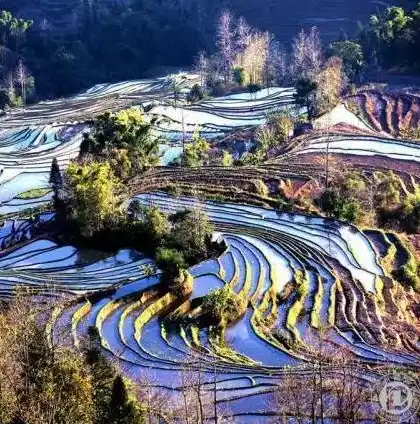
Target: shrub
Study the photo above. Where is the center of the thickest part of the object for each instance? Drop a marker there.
(284, 204)
(261, 188)
(239, 76)
(354, 183)
(174, 189)
(330, 201)
(333, 204)
(413, 219)
(170, 261)
(191, 234)
(196, 151)
(411, 133)
(283, 125)
(227, 159)
(387, 188)
(253, 88)
(156, 225)
(350, 211)
(224, 305)
(196, 94)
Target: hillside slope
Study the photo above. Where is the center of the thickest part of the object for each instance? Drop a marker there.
(284, 18)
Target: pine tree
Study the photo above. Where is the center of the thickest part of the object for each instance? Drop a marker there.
(122, 409)
(56, 180)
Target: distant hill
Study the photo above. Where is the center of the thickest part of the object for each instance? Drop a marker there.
(282, 17)
(83, 42)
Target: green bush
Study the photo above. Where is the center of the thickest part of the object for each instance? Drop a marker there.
(333, 204)
(239, 76)
(224, 304)
(227, 159)
(284, 204)
(350, 211)
(191, 234)
(170, 260)
(261, 188)
(253, 88)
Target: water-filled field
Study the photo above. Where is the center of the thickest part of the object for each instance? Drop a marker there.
(302, 277)
(303, 280)
(31, 138)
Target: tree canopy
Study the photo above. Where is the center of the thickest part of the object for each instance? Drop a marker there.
(94, 194)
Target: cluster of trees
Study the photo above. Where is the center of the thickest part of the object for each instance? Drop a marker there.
(125, 140)
(89, 198)
(248, 57)
(389, 40)
(329, 389)
(176, 241)
(107, 44)
(16, 83)
(93, 189)
(95, 41)
(377, 199)
(44, 381)
(17, 88)
(392, 39)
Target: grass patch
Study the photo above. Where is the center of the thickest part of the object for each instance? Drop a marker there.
(34, 193)
(409, 272)
(217, 339)
(302, 290)
(388, 261)
(316, 309)
(379, 285)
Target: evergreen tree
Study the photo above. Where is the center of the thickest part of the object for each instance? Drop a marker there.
(56, 182)
(305, 95)
(122, 409)
(103, 375)
(56, 179)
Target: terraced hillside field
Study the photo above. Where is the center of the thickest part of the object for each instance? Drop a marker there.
(303, 281)
(376, 137)
(31, 138)
(391, 113)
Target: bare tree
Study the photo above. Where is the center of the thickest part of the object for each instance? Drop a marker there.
(307, 54)
(348, 394)
(186, 395)
(22, 79)
(216, 418)
(291, 398)
(202, 67)
(226, 43)
(273, 55)
(10, 86)
(243, 34)
(315, 57)
(278, 62)
(299, 52)
(255, 57)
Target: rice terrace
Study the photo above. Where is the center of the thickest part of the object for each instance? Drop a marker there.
(233, 241)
